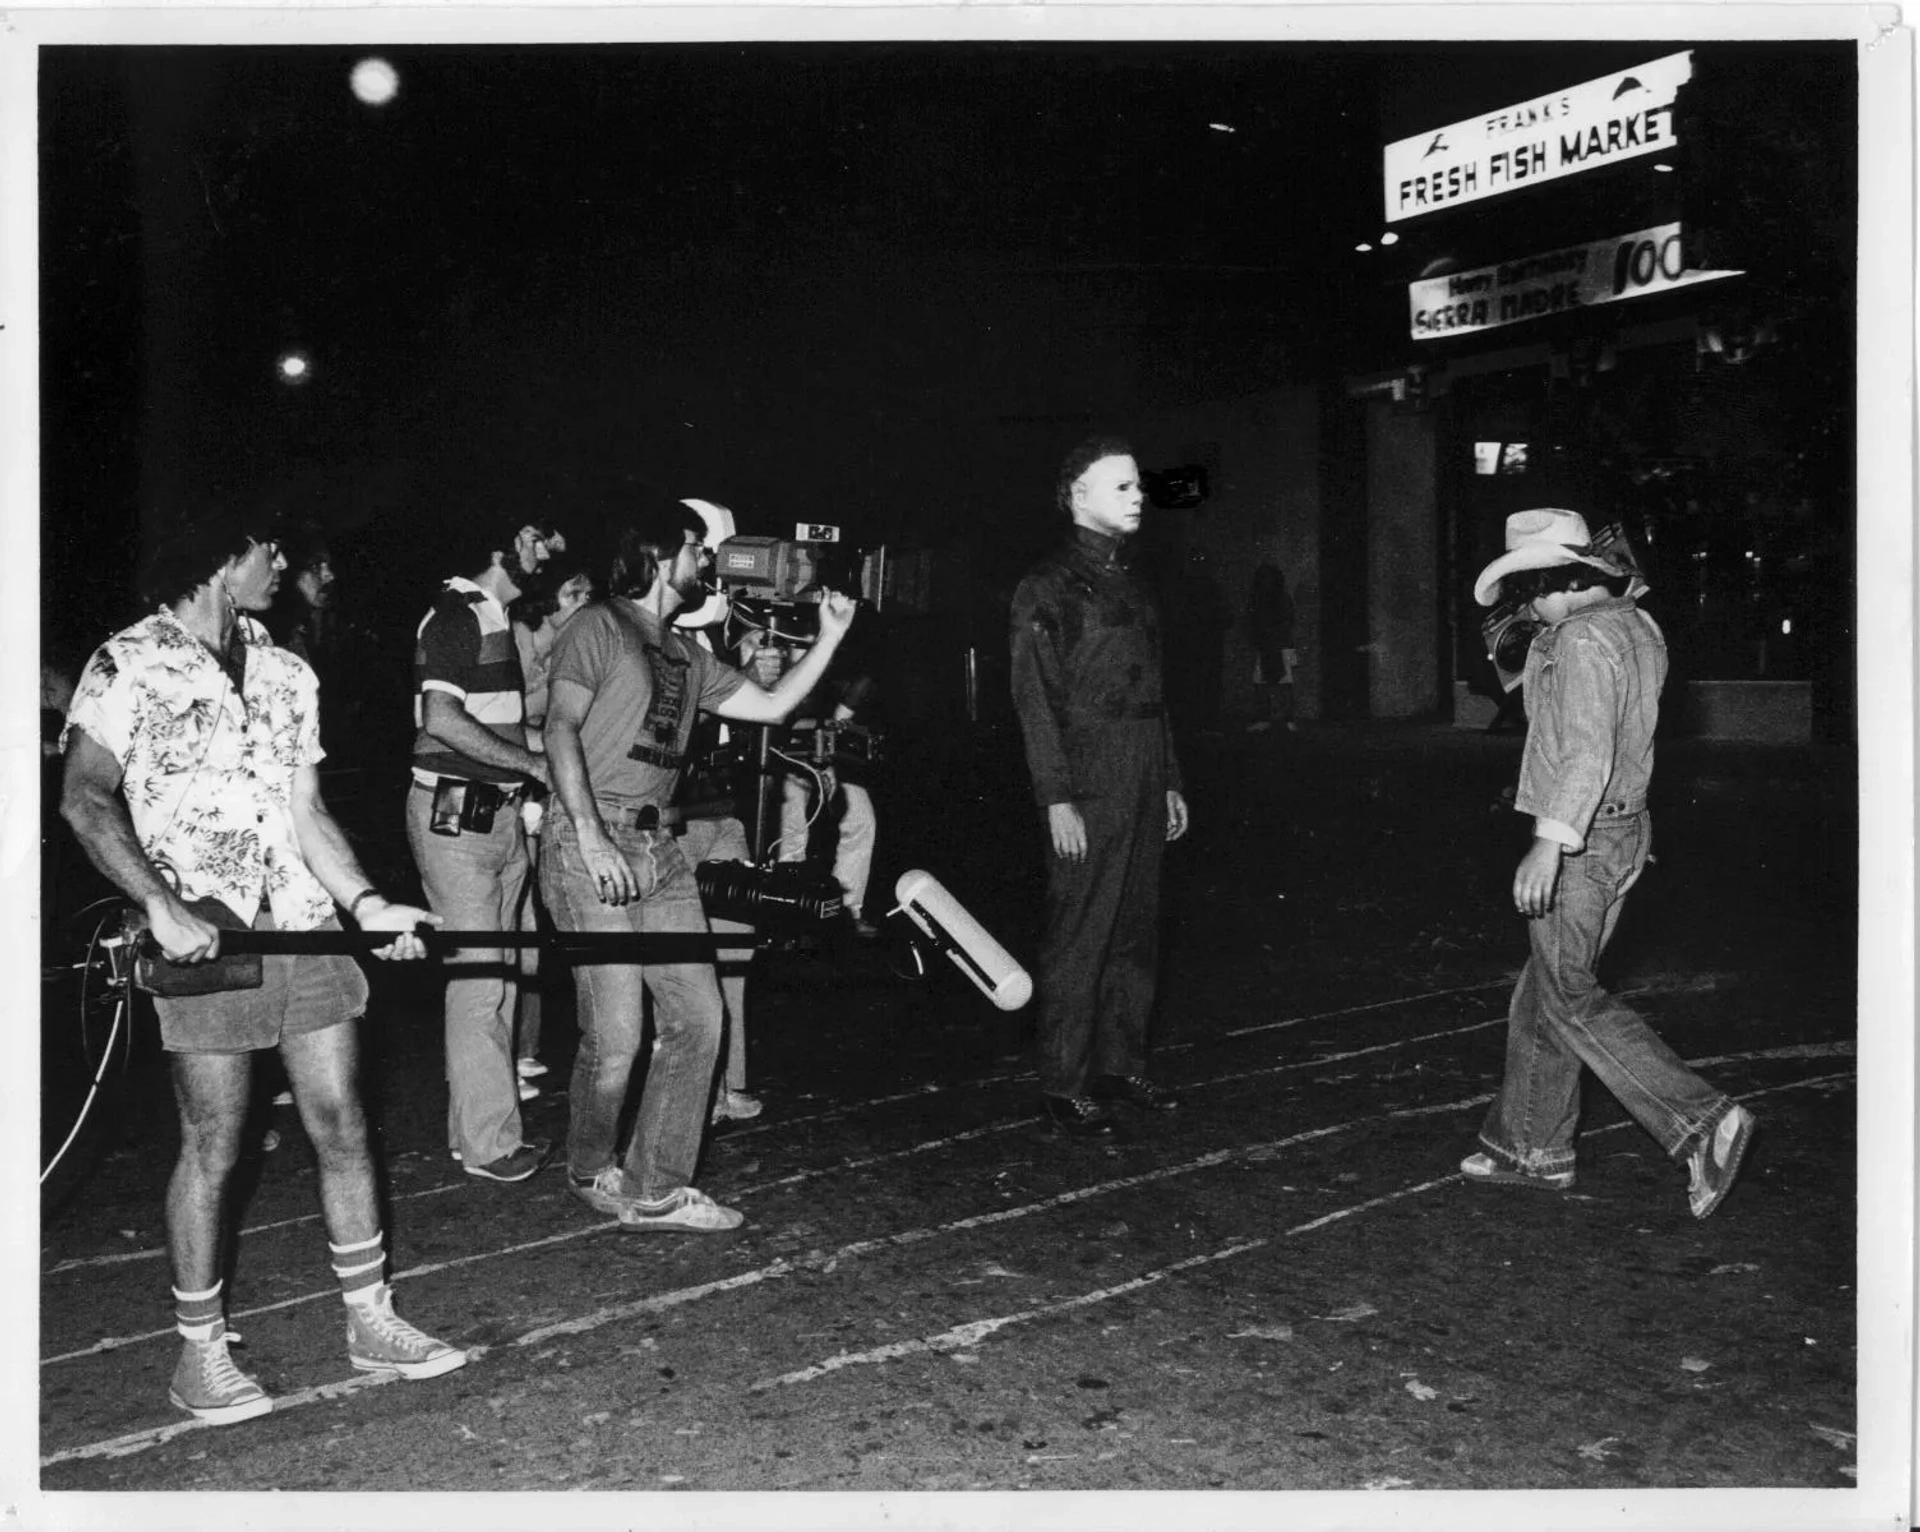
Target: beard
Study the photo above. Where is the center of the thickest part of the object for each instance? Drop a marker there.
(691, 589)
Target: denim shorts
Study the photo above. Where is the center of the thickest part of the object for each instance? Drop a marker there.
(298, 993)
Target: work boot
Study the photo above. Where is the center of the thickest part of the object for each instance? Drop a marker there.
(1135, 1090)
(1079, 1116)
(1715, 1161)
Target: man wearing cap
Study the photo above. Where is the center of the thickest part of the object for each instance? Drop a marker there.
(1087, 689)
(1592, 680)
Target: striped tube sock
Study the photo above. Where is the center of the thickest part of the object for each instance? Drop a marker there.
(359, 1267)
(198, 1316)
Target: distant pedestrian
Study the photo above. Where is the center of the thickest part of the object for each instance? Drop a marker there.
(192, 749)
(1270, 622)
(1592, 681)
(1088, 690)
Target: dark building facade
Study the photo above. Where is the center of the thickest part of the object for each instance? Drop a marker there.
(1618, 278)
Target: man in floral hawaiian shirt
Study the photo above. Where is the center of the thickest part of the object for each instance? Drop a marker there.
(192, 747)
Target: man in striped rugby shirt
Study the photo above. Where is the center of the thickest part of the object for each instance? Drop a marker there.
(471, 772)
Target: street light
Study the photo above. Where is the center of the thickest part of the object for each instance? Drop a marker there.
(293, 368)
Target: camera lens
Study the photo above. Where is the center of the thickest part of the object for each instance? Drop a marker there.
(787, 894)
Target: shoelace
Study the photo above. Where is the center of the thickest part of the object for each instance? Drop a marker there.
(218, 1371)
(390, 1327)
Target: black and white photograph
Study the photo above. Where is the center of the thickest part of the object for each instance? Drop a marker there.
(952, 760)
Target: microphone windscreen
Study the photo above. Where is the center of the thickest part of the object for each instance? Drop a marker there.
(926, 902)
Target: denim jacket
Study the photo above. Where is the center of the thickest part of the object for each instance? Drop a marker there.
(1593, 697)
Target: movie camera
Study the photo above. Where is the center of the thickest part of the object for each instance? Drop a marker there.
(795, 571)
(1509, 629)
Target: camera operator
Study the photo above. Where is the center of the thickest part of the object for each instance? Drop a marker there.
(624, 690)
(471, 770)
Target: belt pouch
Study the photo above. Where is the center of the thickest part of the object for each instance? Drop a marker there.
(449, 806)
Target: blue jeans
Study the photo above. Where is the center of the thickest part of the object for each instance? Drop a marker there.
(1561, 1018)
(474, 882)
(687, 1013)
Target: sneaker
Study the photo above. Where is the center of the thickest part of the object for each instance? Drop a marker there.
(208, 1386)
(528, 1090)
(379, 1340)
(1080, 1116)
(529, 1069)
(285, 1098)
(605, 1191)
(456, 1155)
(864, 929)
(688, 1209)
(1715, 1161)
(517, 1166)
(1135, 1090)
(735, 1106)
(1486, 1169)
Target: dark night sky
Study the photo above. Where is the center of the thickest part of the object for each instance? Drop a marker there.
(877, 284)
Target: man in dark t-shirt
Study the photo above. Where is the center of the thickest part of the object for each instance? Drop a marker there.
(625, 689)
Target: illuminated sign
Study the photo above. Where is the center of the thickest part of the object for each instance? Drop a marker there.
(1579, 276)
(1599, 123)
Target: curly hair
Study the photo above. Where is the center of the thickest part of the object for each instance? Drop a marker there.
(190, 547)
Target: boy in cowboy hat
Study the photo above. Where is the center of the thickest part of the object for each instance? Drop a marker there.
(1593, 678)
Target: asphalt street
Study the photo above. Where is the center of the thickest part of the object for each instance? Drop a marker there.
(1284, 1286)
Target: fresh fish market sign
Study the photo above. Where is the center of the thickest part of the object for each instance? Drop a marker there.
(1553, 282)
(1599, 123)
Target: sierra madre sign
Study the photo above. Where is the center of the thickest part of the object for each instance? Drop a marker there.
(1578, 276)
(1600, 122)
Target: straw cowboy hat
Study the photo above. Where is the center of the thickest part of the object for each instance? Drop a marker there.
(1541, 539)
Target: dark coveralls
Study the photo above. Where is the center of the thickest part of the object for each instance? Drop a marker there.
(1087, 688)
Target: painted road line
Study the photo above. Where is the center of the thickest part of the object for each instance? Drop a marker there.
(1377, 1005)
(781, 1268)
(120, 1258)
(299, 1220)
(1322, 1060)
(963, 1337)
(835, 1113)
(114, 1343)
(862, 1247)
(798, 1177)
(140, 1441)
